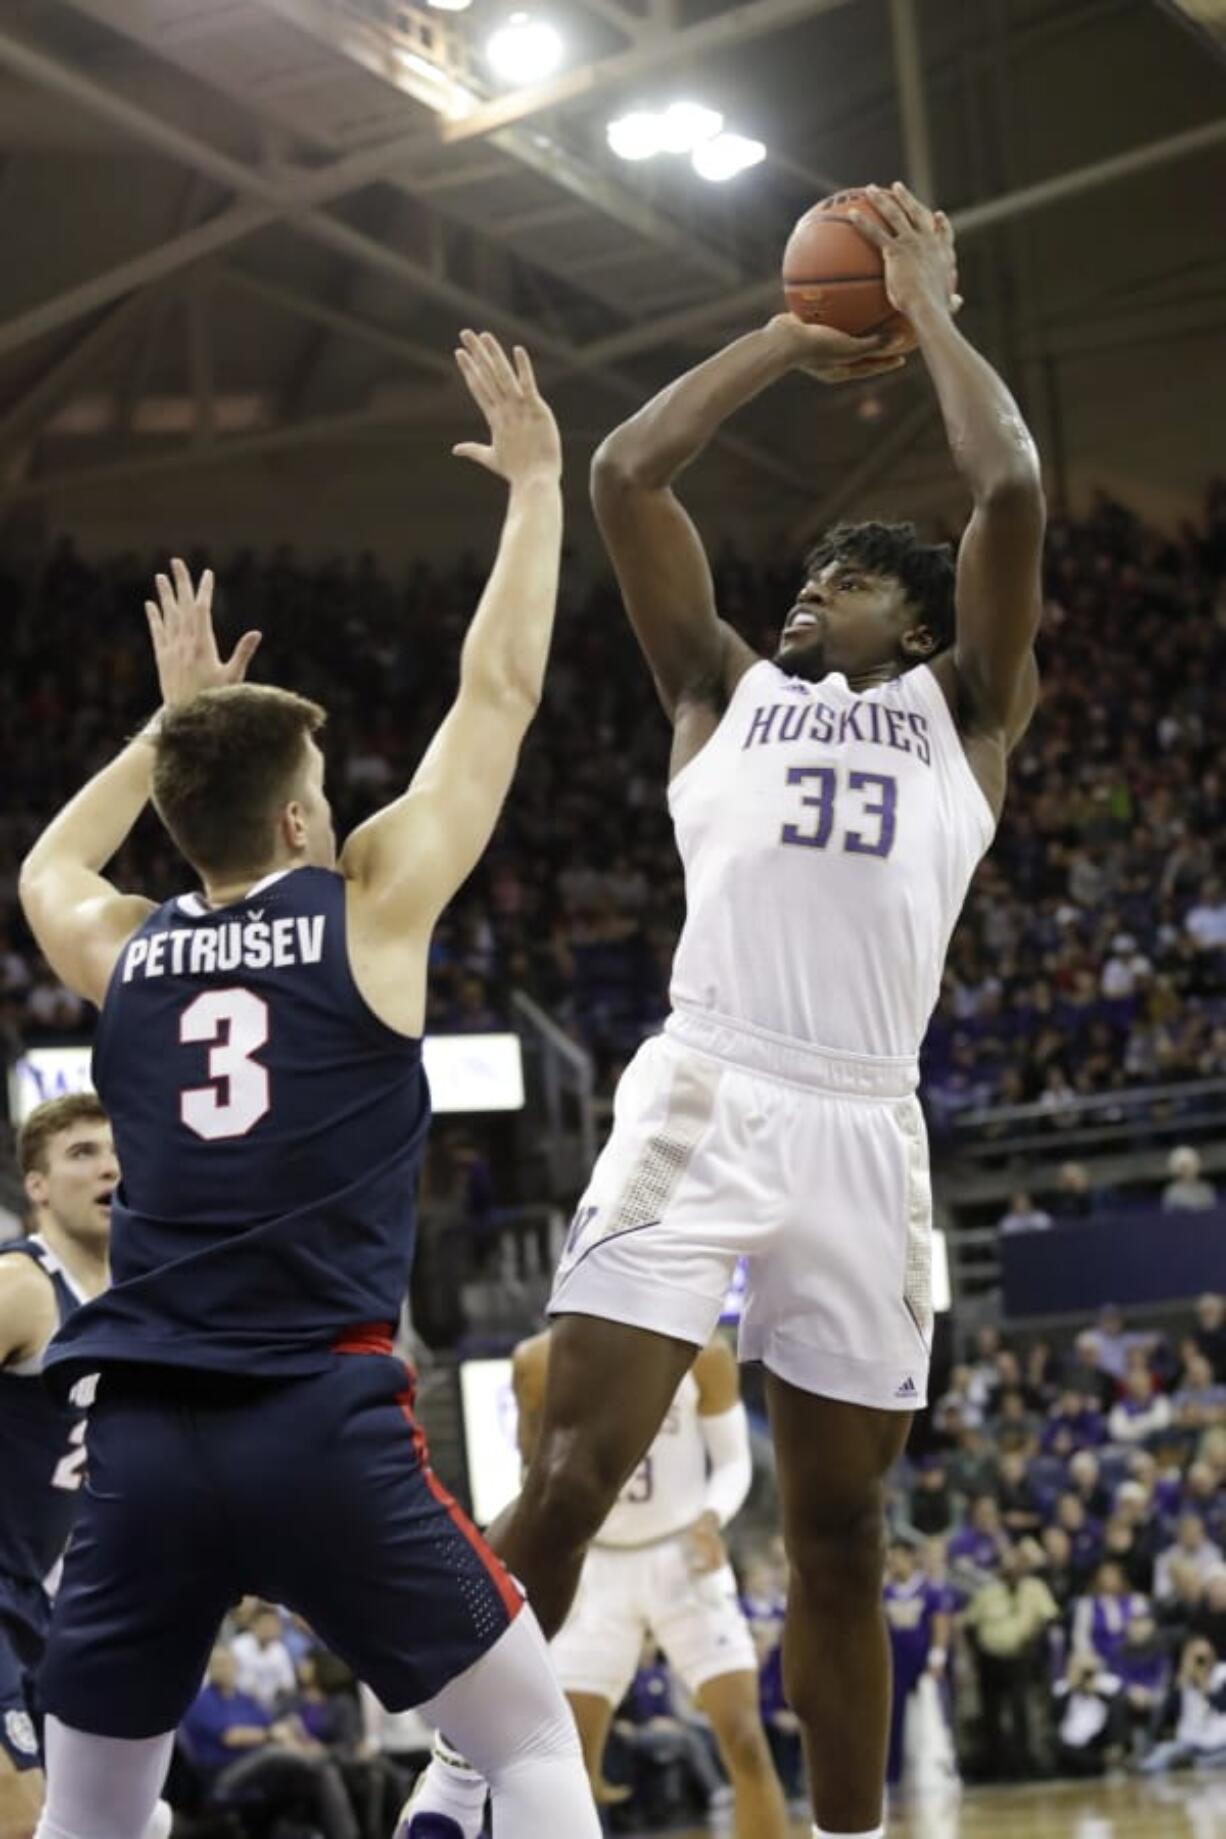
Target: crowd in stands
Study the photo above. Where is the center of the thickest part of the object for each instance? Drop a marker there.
(1055, 1595)
(1093, 946)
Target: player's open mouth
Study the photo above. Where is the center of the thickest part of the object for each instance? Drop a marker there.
(105, 1198)
(800, 620)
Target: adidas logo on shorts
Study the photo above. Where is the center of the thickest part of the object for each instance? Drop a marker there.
(908, 1389)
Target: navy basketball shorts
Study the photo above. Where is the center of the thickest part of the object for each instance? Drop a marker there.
(316, 1493)
(23, 1621)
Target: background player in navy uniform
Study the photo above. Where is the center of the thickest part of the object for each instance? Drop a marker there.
(805, 975)
(66, 1155)
(259, 1053)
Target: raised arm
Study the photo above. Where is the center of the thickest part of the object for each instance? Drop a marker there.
(79, 919)
(410, 858)
(999, 585)
(656, 551)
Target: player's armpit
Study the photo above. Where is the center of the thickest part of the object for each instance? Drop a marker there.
(81, 923)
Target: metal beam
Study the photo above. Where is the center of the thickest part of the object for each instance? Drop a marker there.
(320, 227)
(912, 104)
(901, 438)
(24, 415)
(347, 325)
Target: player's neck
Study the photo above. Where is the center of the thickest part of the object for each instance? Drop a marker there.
(85, 1264)
(225, 891)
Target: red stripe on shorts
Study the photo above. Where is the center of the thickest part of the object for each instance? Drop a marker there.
(499, 1576)
(366, 1338)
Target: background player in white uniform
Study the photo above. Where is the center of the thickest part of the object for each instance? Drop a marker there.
(659, 1566)
(830, 808)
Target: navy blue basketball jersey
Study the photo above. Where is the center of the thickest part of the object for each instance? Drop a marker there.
(42, 1447)
(270, 1130)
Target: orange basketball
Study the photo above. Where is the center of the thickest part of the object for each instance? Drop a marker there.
(833, 276)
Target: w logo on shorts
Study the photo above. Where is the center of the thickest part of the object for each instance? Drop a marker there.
(19, 1730)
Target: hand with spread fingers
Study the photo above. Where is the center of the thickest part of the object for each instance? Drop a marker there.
(524, 443)
(917, 248)
(184, 643)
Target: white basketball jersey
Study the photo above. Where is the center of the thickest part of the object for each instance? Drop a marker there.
(667, 1491)
(829, 836)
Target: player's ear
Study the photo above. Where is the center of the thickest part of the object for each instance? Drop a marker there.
(36, 1187)
(918, 642)
(294, 825)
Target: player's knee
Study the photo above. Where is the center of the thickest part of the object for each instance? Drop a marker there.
(572, 1489)
(838, 1559)
(743, 1745)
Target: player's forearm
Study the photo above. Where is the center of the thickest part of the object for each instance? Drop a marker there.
(93, 826)
(507, 645)
(726, 1437)
(658, 443)
(991, 445)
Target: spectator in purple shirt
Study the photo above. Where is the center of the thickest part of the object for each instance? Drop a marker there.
(1073, 1423)
(1101, 1619)
(975, 1549)
(1085, 1536)
(918, 1616)
(248, 1758)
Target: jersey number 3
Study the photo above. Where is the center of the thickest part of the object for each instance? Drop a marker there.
(235, 1024)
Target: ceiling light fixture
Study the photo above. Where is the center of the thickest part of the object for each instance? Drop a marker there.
(524, 50)
(726, 156)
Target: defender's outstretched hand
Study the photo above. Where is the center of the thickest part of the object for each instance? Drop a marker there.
(184, 643)
(524, 441)
(917, 248)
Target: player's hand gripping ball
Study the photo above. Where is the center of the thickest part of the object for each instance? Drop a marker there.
(858, 259)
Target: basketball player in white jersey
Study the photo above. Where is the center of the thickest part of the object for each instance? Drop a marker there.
(831, 806)
(658, 1566)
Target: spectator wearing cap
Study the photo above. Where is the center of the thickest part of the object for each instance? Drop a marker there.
(1142, 1414)
(1187, 1191)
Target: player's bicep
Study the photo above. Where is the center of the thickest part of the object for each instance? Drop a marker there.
(998, 601)
(81, 924)
(664, 576)
(414, 855)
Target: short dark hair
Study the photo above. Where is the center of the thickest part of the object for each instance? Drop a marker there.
(48, 1120)
(925, 570)
(224, 765)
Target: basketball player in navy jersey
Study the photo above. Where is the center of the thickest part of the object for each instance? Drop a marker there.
(66, 1155)
(830, 807)
(259, 1052)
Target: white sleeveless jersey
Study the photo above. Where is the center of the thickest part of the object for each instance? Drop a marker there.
(667, 1491)
(829, 837)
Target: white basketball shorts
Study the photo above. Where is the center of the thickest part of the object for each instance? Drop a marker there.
(624, 1595)
(814, 1166)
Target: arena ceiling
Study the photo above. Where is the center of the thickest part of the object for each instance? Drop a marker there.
(243, 233)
